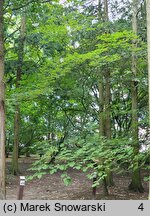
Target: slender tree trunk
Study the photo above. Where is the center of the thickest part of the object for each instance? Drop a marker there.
(106, 17)
(101, 123)
(148, 45)
(107, 105)
(15, 168)
(101, 105)
(107, 130)
(136, 184)
(109, 178)
(49, 119)
(2, 111)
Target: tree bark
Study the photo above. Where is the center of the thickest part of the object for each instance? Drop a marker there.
(135, 184)
(101, 112)
(107, 130)
(15, 168)
(102, 123)
(106, 17)
(101, 107)
(2, 110)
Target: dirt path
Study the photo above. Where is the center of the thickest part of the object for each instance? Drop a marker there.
(51, 187)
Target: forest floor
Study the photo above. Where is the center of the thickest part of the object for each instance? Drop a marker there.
(51, 187)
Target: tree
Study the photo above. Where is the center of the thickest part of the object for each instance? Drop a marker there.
(104, 96)
(2, 111)
(73, 87)
(107, 109)
(15, 168)
(136, 184)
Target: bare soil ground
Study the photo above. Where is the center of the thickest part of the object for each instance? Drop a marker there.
(51, 187)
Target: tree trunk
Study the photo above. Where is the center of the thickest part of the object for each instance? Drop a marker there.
(15, 168)
(136, 184)
(2, 111)
(107, 105)
(101, 102)
(148, 45)
(107, 130)
(102, 123)
(107, 121)
(101, 106)
(106, 17)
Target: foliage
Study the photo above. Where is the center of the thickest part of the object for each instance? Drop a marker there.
(67, 49)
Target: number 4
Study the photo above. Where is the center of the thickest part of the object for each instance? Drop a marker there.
(141, 207)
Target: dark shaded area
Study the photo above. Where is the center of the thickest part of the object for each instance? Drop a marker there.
(51, 187)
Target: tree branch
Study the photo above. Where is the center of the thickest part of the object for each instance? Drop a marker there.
(25, 5)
